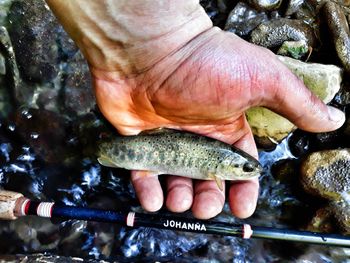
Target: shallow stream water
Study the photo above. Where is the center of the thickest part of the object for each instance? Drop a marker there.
(47, 156)
(86, 183)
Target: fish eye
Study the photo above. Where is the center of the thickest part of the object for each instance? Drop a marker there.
(248, 167)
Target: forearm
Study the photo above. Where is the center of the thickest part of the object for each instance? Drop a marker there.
(129, 36)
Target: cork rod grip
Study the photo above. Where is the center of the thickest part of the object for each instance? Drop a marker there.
(8, 202)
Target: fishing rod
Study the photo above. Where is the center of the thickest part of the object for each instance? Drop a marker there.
(14, 205)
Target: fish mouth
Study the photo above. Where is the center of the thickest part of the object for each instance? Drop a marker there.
(260, 169)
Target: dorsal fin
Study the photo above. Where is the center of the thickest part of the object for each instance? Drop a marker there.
(157, 131)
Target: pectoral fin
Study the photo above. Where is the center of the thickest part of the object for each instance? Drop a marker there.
(217, 180)
(105, 161)
(144, 174)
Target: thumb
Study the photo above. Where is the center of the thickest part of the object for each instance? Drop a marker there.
(294, 101)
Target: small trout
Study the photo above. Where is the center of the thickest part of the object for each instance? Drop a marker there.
(179, 153)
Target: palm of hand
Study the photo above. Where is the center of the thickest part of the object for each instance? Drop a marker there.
(204, 87)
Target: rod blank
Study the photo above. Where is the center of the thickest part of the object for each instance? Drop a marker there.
(15, 205)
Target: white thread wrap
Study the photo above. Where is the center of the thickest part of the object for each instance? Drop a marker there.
(23, 207)
(247, 231)
(44, 209)
(130, 219)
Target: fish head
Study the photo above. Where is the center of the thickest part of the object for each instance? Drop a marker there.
(238, 167)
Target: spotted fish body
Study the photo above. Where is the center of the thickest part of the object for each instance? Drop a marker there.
(179, 153)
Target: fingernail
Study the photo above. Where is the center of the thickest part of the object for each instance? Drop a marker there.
(336, 115)
(250, 208)
(186, 203)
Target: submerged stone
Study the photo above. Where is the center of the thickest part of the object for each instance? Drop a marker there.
(46, 132)
(327, 174)
(342, 214)
(33, 30)
(323, 80)
(78, 97)
(44, 258)
(322, 221)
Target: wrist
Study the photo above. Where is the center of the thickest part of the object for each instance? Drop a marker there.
(129, 37)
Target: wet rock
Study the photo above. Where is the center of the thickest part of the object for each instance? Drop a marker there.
(340, 254)
(273, 33)
(243, 19)
(47, 99)
(322, 80)
(269, 127)
(322, 221)
(293, 6)
(32, 229)
(33, 30)
(347, 128)
(343, 3)
(343, 96)
(299, 143)
(217, 10)
(265, 5)
(4, 7)
(314, 255)
(327, 174)
(339, 29)
(342, 214)
(5, 105)
(309, 12)
(71, 232)
(327, 140)
(2, 65)
(78, 97)
(14, 83)
(294, 49)
(210, 7)
(284, 171)
(45, 132)
(66, 44)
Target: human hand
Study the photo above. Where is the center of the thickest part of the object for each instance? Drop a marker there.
(193, 77)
